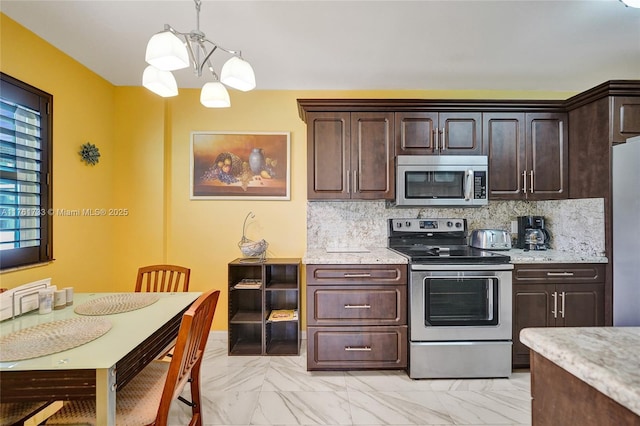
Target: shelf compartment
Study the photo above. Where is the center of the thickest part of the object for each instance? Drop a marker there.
(245, 339)
(282, 338)
(282, 276)
(286, 299)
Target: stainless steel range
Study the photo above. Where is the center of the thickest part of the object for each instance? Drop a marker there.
(459, 301)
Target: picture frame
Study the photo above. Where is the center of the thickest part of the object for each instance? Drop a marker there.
(240, 165)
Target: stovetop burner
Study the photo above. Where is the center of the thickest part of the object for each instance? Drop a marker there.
(426, 241)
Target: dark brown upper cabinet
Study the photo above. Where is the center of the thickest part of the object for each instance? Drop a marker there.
(528, 155)
(443, 133)
(626, 118)
(599, 118)
(350, 156)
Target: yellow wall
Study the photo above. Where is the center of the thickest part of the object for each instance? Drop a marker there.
(144, 168)
(83, 112)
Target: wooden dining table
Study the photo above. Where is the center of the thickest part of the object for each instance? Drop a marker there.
(99, 368)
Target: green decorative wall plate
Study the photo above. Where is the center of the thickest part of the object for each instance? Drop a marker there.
(90, 153)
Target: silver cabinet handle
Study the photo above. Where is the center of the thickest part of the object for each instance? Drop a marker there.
(348, 181)
(357, 275)
(562, 297)
(559, 274)
(531, 175)
(524, 182)
(555, 304)
(444, 140)
(355, 181)
(357, 348)
(436, 139)
(364, 306)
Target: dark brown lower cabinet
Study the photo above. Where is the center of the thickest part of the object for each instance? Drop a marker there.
(555, 295)
(356, 317)
(350, 348)
(561, 399)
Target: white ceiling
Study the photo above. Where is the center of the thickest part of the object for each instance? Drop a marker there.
(563, 45)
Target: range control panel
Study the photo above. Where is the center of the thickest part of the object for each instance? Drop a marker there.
(428, 225)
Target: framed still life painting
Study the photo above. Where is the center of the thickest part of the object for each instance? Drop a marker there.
(240, 166)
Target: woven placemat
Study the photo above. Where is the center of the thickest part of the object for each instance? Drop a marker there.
(51, 337)
(116, 303)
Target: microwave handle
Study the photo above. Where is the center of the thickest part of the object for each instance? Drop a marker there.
(468, 186)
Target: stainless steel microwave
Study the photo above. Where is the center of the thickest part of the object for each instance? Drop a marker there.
(442, 180)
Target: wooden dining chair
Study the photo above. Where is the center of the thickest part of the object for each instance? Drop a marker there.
(163, 278)
(147, 398)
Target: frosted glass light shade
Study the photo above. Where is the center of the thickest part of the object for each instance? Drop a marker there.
(632, 3)
(160, 82)
(167, 52)
(237, 73)
(215, 95)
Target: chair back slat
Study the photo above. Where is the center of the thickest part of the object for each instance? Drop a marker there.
(187, 356)
(163, 278)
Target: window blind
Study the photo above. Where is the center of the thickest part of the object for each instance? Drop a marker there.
(25, 200)
(20, 176)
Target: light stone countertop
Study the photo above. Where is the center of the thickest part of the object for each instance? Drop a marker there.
(552, 256)
(373, 255)
(604, 357)
(382, 255)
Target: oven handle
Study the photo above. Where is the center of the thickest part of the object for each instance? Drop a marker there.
(459, 267)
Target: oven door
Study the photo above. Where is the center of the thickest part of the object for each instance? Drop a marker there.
(460, 302)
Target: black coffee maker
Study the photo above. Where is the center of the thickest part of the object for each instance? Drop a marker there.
(532, 234)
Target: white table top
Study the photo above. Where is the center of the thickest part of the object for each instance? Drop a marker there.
(603, 357)
(128, 330)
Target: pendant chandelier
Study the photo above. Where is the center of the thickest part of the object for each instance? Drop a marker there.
(631, 3)
(172, 50)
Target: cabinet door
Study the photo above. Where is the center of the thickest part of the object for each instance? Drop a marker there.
(533, 306)
(626, 118)
(547, 156)
(426, 133)
(415, 132)
(372, 153)
(504, 144)
(328, 155)
(580, 305)
(460, 133)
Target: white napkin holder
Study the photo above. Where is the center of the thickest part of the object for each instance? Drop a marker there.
(22, 299)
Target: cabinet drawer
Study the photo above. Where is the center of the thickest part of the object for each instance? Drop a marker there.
(356, 274)
(337, 348)
(374, 305)
(559, 272)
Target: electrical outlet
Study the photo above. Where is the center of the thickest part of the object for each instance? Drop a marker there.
(514, 226)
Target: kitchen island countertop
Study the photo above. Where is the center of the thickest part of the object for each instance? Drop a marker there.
(605, 358)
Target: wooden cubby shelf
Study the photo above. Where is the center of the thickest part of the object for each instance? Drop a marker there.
(255, 290)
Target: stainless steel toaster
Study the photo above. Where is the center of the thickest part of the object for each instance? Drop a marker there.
(490, 239)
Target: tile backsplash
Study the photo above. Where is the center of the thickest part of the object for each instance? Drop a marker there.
(574, 225)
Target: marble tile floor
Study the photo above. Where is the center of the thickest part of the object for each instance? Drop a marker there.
(280, 391)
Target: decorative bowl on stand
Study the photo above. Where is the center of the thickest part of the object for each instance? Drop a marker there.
(253, 248)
